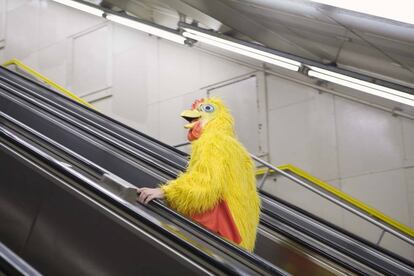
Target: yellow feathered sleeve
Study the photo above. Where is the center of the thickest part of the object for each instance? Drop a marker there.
(198, 189)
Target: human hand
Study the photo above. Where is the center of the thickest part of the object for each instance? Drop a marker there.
(148, 194)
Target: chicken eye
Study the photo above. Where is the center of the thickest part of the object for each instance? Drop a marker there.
(207, 108)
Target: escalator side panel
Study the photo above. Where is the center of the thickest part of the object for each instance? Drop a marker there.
(79, 144)
(18, 206)
(144, 140)
(71, 238)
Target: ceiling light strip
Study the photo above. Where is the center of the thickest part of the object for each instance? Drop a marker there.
(146, 28)
(242, 51)
(363, 83)
(141, 26)
(80, 6)
(360, 87)
(243, 47)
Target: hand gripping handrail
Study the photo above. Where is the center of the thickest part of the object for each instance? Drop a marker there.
(45, 80)
(327, 191)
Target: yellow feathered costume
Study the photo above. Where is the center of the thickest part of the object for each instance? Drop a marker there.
(220, 171)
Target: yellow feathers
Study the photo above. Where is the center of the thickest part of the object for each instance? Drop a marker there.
(220, 168)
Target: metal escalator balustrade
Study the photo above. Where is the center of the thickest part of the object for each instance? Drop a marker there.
(376, 217)
(181, 157)
(402, 231)
(221, 259)
(329, 192)
(20, 65)
(18, 111)
(12, 264)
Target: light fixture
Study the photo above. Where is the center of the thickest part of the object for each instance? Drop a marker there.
(80, 6)
(242, 49)
(398, 10)
(364, 86)
(146, 28)
(125, 21)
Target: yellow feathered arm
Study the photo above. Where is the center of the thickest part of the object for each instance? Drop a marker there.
(200, 188)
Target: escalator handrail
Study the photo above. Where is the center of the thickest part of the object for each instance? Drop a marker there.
(346, 197)
(16, 263)
(157, 204)
(348, 205)
(57, 110)
(333, 236)
(97, 115)
(147, 158)
(46, 80)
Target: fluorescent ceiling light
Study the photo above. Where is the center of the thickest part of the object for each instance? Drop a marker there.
(80, 6)
(146, 28)
(398, 10)
(242, 49)
(364, 86)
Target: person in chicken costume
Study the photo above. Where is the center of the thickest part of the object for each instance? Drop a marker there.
(218, 189)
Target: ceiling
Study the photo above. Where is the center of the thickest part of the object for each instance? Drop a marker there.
(366, 44)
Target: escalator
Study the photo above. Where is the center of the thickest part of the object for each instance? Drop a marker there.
(288, 238)
(64, 222)
(12, 264)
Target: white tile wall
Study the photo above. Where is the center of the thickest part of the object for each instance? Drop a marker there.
(304, 134)
(241, 98)
(179, 70)
(369, 139)
(3, 13)
(282, 92)
(56, 22)
(398, 246)
(214, 69)
(52, 62)
(104, 106)
(125, 38)
(32, 60)
(408, 138)
(133, 83)
(14, 4)
(91, 61)
(171, 124)
(305, 199)
(22, 31)
(409, 180)
(385, 191)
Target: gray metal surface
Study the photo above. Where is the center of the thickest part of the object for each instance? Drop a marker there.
(63, 233)
(12, 264)
(347, 206)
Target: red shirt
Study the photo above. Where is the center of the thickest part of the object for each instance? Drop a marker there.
(220, 221)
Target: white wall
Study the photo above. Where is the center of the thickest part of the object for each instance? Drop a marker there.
(364, 151)
(146, 82)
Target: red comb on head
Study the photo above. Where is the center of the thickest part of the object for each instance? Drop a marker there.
(196, 103)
